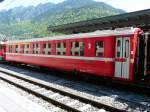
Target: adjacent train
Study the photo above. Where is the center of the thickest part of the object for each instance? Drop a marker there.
(2, 51)
(120, 54)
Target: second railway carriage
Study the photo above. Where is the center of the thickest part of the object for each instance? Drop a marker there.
(108, 53)
(2, 51)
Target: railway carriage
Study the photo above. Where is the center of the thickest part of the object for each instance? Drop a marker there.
(2, 51)
(116, 54)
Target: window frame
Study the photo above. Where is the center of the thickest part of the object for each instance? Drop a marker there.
(36, 48)
(77, 48)
(47, 48)
(61, 48)
(26, 49)
(100, 50)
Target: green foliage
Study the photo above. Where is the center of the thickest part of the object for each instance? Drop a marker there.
(33, 21)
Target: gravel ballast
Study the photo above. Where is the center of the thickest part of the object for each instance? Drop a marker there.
(102, 94)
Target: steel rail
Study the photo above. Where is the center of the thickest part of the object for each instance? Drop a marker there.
(63, 106)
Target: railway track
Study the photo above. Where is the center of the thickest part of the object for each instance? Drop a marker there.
(59, 98)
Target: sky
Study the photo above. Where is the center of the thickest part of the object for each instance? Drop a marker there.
(127, 5)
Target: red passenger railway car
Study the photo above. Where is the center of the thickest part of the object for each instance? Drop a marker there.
(2, 51)
(116, 54)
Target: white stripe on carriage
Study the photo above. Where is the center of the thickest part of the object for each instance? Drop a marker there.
(66, 57)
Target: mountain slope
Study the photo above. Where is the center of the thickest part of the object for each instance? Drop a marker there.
(33, 21)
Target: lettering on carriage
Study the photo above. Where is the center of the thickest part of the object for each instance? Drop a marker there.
(131, 52)
(89, 45)
(88, 61)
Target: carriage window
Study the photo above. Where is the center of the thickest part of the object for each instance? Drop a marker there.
(76, 44)
(22, 49)
(44, 45)
(33, 49)
(10, 48)
(61, 48)
(49, 45)
(100, 48)
(58, 45)
(17, 49)
(36, 48)
(64, 45)
(119, 48)
(47, 49)
(27, 45)
(77, 48)
(37, 45)
(26, 48)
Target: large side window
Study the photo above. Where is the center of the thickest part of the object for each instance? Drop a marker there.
(118, 49)
(22, 49)
(36, 48)
(17, 49)
(10, 48)
(26, 48)
(61, 48)
(99, 48)
(77, 48)
(47, 48)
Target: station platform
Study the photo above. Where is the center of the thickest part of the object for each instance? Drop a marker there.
(11, 101)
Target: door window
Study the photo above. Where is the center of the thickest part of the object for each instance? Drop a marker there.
(127, 49)
(118, 49)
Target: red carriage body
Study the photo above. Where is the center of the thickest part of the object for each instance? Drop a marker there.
(109, 53)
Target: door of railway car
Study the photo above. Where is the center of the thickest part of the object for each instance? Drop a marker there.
(122, 58)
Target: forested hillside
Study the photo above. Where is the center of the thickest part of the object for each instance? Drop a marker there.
(33, 21)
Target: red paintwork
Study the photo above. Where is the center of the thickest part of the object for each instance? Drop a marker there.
(101, 68)
(120, 59)
(67, 64)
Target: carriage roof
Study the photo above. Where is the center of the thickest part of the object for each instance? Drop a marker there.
(98, 33)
